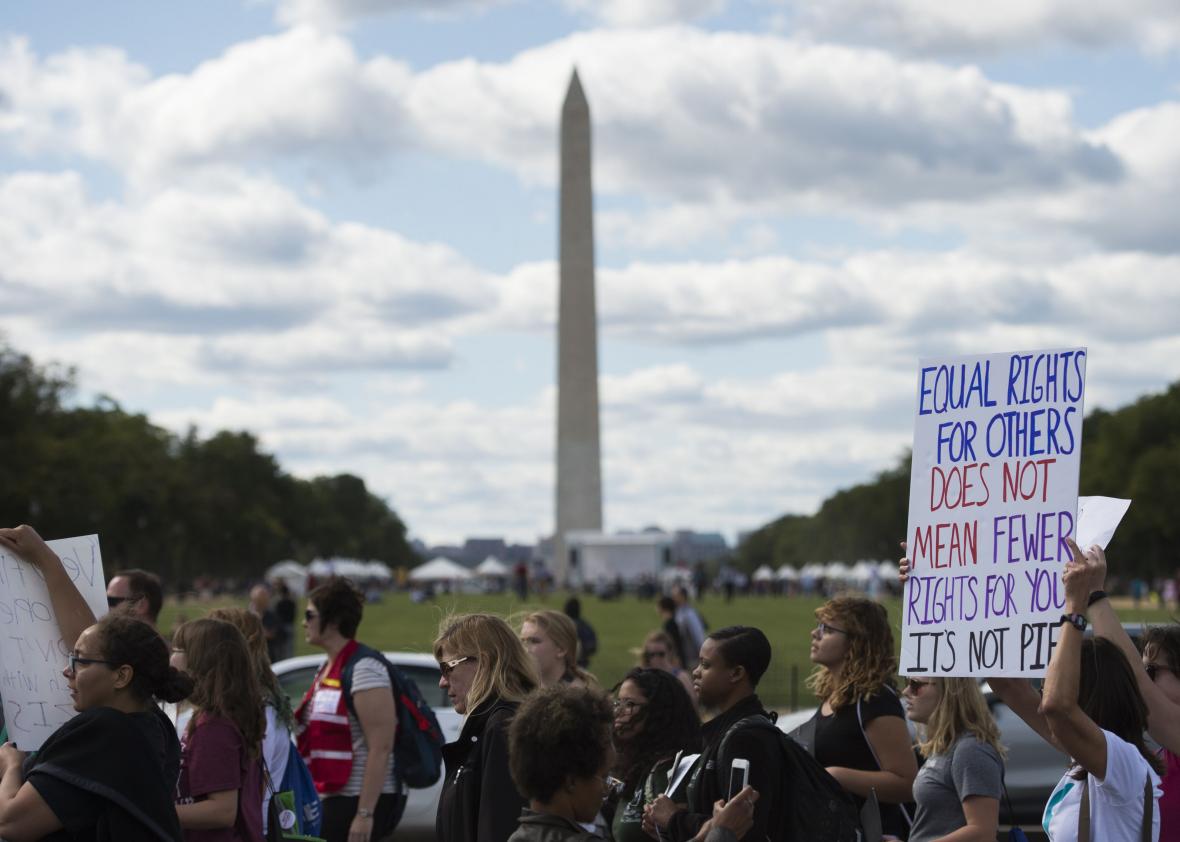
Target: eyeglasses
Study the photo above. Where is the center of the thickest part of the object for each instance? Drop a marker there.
(75, 659)
(448, 667)
(825, 628)
(627, 706)
(1152, 669)
(915, 685)
(115, 601)
(613, 786)
(651, 654)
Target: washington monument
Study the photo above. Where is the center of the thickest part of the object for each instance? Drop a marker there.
(579, 473)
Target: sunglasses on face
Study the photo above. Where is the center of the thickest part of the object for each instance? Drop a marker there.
(115, 601)
(915, 685)
(448, 667)
(310, 615)
(651, 654)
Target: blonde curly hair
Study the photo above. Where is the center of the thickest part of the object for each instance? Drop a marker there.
(870, 663)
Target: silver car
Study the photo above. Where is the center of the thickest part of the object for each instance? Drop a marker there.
(296, 674)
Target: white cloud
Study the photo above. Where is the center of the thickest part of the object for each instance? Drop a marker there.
(934, 27)
(647, 12)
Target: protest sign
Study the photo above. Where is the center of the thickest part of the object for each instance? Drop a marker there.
(993, 496)
(32, 653)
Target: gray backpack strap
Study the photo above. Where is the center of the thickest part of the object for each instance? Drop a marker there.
(905, 814)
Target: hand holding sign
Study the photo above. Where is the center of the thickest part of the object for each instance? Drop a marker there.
(1082, 576)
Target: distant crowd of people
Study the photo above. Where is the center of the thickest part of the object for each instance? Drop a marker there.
(194, 739)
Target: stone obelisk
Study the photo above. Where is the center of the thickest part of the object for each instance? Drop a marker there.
(579, 477)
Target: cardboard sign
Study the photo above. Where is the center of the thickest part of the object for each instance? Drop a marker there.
(993, 496)
(32, 652)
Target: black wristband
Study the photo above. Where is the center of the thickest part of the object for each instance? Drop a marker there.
(1095, 597)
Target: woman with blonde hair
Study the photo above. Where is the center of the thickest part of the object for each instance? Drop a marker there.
(280, 720)
(659, 653)
(220, 785)
(487, 674)
(551, 638)
(860, 734)
(958, 788)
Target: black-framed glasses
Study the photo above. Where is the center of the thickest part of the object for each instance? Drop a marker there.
(915, 685)
(824, 628)
(627, 706)
(1152, 669)
(448, 667)
(75, 659)
(116, 601)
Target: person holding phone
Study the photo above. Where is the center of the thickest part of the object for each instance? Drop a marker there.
(732, 661)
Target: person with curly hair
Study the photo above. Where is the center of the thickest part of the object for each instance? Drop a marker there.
(655, 720)
(486, 673)
(219, 793)
(559, 748)
(108, 773)
(860, 733)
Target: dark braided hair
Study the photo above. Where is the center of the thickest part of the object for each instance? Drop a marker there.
(666, 725)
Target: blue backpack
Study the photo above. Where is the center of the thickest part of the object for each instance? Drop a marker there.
(297, 780)
(417, 747)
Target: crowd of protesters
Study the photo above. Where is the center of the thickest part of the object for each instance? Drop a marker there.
(187, 739)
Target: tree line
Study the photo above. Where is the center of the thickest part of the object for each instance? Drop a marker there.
(1132, 452)
(181, 505)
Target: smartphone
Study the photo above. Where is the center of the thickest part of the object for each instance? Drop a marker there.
(739, 775)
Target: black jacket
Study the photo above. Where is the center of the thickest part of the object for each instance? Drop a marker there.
(479, 802)
(709, 779)
(543, 827)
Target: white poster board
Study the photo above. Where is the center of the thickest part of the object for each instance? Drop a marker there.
(993, 496)
(32, 653)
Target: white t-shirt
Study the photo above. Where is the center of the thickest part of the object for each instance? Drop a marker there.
(1116, 802)
(367, 673)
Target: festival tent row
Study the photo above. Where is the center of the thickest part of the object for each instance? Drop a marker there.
(294, 574)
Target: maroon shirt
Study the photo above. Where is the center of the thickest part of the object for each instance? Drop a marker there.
(213, 758)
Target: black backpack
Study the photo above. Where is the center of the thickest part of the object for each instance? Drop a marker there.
(417, 747)
(816, 807)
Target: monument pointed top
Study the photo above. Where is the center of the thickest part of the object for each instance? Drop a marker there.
(574, 95)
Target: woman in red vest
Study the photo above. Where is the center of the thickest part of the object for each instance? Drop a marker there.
(347, 722)
(487, 673)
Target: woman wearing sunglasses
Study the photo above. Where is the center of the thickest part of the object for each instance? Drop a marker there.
(487, 674)
(347, 721)
(860, 735)
(659, 653)
(958, 788)
(108, 773)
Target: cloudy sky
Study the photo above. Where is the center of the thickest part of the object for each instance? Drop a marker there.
(333, 223)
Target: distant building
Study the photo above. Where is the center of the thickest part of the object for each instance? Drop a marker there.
(690, 548)
(476, 550)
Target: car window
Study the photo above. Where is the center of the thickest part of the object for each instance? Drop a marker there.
(296, 682)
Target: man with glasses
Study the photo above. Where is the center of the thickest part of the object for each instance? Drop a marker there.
(136, 593)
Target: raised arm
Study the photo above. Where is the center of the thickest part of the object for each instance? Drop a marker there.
(73, 614)
(1075, 731)
(1163, 715)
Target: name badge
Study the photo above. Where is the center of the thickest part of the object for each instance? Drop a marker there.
(325, 701)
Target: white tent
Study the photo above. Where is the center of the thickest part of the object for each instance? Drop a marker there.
(291, 573)
(492, 568)
(887, 570)
(763, 574)
(378, 570)
(349, 568)
(439, 570)
(836, 570)
(787, 573)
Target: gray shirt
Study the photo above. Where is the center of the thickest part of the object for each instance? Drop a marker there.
(968, 768)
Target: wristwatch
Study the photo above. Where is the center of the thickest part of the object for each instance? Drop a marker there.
(1078, 621)
(363, 813)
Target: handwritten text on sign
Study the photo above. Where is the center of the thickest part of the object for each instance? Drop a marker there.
(32, 653)
(993, 496)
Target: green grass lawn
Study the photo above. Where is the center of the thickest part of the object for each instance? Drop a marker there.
(396, 623)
